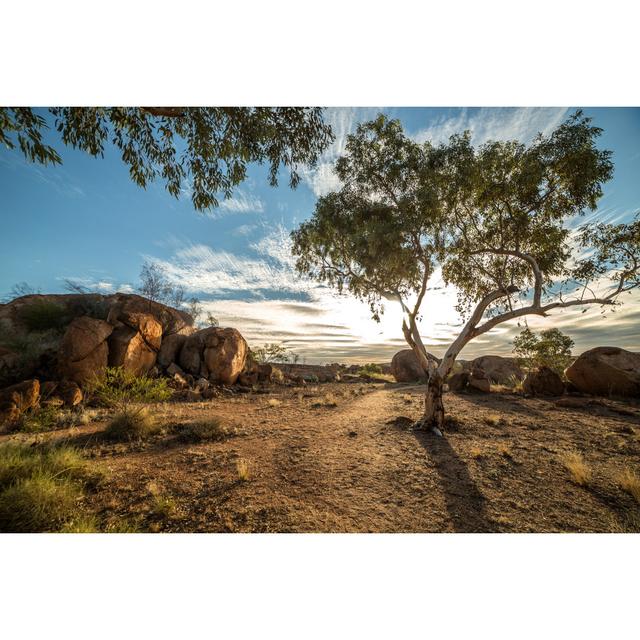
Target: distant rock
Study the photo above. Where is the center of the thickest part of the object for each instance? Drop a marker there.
(543, 382)
(406, 368)
(606, 371)
(499, 370)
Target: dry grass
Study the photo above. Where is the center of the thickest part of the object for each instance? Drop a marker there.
(131, 425)
(163, 506)
(242, 468)
(408, 398)
(476, 453)
(211, 430)
(578, 469)
(630, 482)
(505, 450)
(274, 402)
(328, 401)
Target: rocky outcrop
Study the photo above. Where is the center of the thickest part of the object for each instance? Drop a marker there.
(406, 368)
(17, 399)
(458, 381)
(479, 381)
(220, 355)
(543, 382)
(606, 371)
(84, 351)
(499, 370)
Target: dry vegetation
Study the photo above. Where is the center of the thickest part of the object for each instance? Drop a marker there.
(331, 457)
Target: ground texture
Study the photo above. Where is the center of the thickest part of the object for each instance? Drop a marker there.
(343, 458)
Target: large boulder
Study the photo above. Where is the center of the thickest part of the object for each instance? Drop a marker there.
(219, 355)
(135, 341)
(606, 371)
(84, 352)
(17, 399)
(479, 381)
(543, 382)
(499, 370)
(170, 349)
(406, 368)
(458, 381)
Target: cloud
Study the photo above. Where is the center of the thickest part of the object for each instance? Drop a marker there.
(509, 123)
(242, 202)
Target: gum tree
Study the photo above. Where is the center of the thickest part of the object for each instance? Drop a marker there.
(203, 151)
(492, 220)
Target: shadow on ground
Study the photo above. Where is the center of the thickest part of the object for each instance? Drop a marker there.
(466, 505)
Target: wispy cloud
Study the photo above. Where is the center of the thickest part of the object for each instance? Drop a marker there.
(242, 202)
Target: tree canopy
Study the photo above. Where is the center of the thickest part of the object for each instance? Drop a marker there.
(550, 348)
(493, 218)
(203, 151)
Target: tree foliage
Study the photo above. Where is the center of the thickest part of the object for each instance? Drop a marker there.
(493, 218)
(201, 150)
(272, 352)
(550, 348)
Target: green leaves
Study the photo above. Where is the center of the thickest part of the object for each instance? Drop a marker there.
(203, 151)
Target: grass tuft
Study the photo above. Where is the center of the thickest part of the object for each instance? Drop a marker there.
(129, 424)
(630, 482)
(578, 469)
(211, 430)
(163, 506)
(274, 402)
(242, 468)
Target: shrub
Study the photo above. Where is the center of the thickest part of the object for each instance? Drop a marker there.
(132, 424)
(118, 389)
(163, 506)
(44, 315)
(578, 469)
(209, 430)
(40, 487)
(551, 348)
(370, 368)
(39, 419)
(630, 482)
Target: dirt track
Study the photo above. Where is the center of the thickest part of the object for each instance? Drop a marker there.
(358, 466)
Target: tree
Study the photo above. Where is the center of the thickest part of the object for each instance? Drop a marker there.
(155, 285)
(551, 348)
(271, 352)
(201, 150)
(493, 218)
(212, 321)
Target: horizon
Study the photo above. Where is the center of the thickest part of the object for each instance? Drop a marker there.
(86, 221)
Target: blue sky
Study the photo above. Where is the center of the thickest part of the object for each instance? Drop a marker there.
(87, 221)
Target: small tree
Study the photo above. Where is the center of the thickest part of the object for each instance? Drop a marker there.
(551, 348)
(493, 218)
(271, 352)
(212, 321)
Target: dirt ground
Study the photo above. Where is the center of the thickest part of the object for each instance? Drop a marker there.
(358, 467)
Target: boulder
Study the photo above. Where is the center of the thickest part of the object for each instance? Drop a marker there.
(84, 352)
(479, 381)
(170, 349)
(69, 392)
(215, 353)
(499, 370)
(543, 382)
(606, 371)
(9, 361)
(17, 399)
(406, 368)
(134, 343)
(225, 354)
(458, 381)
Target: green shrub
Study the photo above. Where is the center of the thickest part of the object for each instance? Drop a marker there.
(40, 487)
(44, 315)
(130, 425)
(118, 389)
(370, 368)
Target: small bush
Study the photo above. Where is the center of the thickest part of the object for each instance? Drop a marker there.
(578, 469)
(274, 402)
(369, 369)
(118, 388)
(81, 524)
(328, 401)
(37, 420)
(476, 452)
(44, 315)
(129, 425)
(242, 467)
(209, 430)
(630, 482)
(163, 506)
(39, 503)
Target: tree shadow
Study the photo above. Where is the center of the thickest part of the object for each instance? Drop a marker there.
(509, 404)
(465, 503)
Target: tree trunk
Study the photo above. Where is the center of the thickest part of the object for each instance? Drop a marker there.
(433, 417)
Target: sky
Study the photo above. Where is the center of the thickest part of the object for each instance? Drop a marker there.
(87, 221)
